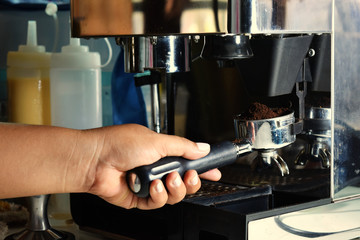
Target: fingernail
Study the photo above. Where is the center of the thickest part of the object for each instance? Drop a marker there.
(204, 147)
(194, 181)
(159, 188)
(177, 181)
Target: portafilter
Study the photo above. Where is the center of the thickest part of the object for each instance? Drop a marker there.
(267, 134)
(317, 130)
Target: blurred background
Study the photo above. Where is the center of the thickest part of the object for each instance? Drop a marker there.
(14, 17)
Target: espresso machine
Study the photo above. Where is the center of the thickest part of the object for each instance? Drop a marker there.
(293, 54)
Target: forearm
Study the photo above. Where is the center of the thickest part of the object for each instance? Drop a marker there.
(40, 160)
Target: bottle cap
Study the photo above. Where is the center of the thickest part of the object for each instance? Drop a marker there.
(75, 55)
(30, 55)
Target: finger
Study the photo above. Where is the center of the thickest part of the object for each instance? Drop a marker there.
(176, 188)
(158, 196)
(212, 175)
(192, 182)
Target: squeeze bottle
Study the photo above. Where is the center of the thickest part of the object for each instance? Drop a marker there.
(28, 81)
(75, 87)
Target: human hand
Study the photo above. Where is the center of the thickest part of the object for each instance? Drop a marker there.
(128, 146)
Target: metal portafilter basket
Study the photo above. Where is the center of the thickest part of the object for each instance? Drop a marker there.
(263, 135)
(266, 136)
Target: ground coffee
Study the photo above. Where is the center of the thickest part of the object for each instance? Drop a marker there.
(259, 111)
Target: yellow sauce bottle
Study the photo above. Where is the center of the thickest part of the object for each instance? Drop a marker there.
(28, 82)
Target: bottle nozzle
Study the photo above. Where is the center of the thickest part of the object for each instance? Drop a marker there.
(75, 46)
(31, 42)
(74, 41)
(31, 34)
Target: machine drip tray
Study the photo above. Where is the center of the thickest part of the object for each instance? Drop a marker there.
(214, 205)
(303, 184)
(216, 194)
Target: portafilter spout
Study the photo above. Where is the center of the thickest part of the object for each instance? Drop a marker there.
(271, 157)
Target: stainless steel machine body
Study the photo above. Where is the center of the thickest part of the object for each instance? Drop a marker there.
(332, 23)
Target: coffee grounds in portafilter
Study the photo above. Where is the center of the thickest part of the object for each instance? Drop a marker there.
(259, 111)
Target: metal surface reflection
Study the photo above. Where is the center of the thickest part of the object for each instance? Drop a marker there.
(226, 47)
(268, 133)
(346, 100)
(259, 16)
(129, 17)
(170, 53)
(38, 226)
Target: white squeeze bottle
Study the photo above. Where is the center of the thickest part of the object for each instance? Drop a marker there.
(28, 81)
(75, 87)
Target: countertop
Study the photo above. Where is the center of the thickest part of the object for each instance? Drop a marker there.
(74, 229)
(80, 234)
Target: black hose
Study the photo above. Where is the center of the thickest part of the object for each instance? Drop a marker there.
(215, 6)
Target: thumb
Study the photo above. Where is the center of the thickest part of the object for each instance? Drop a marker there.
(178, 146)
(203, 150)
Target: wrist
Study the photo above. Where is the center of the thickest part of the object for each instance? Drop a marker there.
(81, 166)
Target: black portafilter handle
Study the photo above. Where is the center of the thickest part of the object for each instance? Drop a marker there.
(221, 154)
